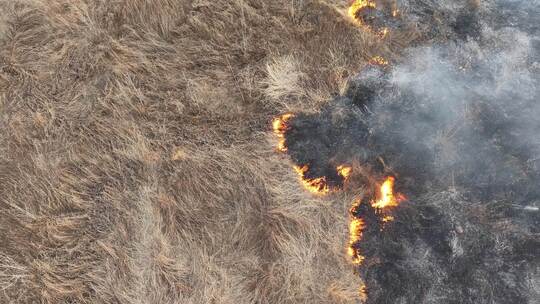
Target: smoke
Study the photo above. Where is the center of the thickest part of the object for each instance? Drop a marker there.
(457, 121)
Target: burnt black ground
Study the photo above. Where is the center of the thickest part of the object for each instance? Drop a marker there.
(456, 120)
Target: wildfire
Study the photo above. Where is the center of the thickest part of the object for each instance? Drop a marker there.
(356, 226)
(359, 5)
(383, 199)
(361, 12)
(280, 127)
(384, 32)
(387, 218)
(344, 171)
(386, 197)
(279, 124)
(362, 290)
(315, 185)
(318, 185)
(378, 60)
(282, 146)
(355, 13)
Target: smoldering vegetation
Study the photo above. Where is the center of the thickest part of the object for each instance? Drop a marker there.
(444, 247)
(455, 119)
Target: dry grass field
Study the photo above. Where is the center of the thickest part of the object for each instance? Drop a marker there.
(140, 160)
(137, 163)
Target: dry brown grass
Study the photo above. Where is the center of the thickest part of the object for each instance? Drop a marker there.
(135, 160)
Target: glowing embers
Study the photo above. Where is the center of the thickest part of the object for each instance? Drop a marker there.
(379, 60)
(280, 127)
(387, 218)
(362, 290)
(385, 197)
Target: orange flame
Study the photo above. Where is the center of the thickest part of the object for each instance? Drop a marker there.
(363, 292)
(315, 185)
(344, 171)
(319, 185)
(386, 197)
(356, 227)
(279, 124)
(384, 32)
(282, 146)
(280, 127)
(387, 218)
(378, 60)
(357, 6)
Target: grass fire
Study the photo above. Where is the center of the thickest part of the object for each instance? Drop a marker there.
(279, 125)
(374, 16)
(385, 114)
(250, 151)
(386, 197)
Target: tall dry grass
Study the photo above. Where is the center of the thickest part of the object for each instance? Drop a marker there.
(135, 160)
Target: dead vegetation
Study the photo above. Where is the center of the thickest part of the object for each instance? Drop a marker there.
(135, 161)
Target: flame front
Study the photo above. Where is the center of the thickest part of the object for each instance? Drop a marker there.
(386, 197)
(355, 12)
(318, 185)
(344, 171)
(384, 32)
(356, 228)
(280, 127)
(279, 124)
(315, 185)
(378, 60)
(362, 290)
(359, 5)
(383, 199)
(387, 218)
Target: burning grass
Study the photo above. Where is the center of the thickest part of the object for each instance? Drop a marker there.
(132, 161)
(373, 123)
(281, 126)
(381, 205)
(385, 197)
(373, 15)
